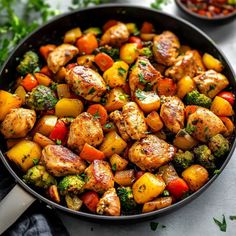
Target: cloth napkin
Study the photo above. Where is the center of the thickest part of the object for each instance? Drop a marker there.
(37, 220)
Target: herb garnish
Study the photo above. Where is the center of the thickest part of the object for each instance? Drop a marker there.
(139, 95)
(158, 4)
(153, 225)
(108, 125)
(113, 167)
(58, 142)
(222, 225)
(35, 161)
(121, 71)
(190, 128)
(232, 217)
(97, 115)
(141, 78)
(92, 90)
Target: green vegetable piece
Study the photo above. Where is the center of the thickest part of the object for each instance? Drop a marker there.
(71, 184)
(199, 99)
(126, 199)
(38, 176)
(232, 217)
(114, 53)
(219, 145)
(93, 30)
(41, 98)
(29, 63)
(183, 160)
(204, 157)
(222, 225)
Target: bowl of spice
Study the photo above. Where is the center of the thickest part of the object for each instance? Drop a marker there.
(211, 10)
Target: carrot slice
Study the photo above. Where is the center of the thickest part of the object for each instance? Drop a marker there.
(87, 44)
(90, 153)
(147, 28)
(29, 82)
(103, 61)
(99, 112)
(43, 79)
(46, 49)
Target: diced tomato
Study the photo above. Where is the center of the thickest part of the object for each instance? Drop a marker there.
(59, 132)
(29, 82)
(87, 44)
(103, 61)
(90, 153)
(177, 187)
(228, 96)
(166, 87)
(90, 200)
(99, 112)
(109, 24)
(147, 28)
(137, 40)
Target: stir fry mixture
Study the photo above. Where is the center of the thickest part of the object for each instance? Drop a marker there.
(212, 8)
(119, 120)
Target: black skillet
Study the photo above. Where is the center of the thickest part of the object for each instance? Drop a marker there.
(23, 195)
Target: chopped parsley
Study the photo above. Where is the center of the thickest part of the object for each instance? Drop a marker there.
(121, 71)
(96, 115)
(139, 95)
(113, 167)
(153, 225)
(35, 161)
(108, 125)
(92, 90)
(216, 172)
(123, 96)
(166, 193)
(222, 225)
(232, 217)
(58, 142)
(190, 128)
(141, 78)
(143, 63)
(206, 129)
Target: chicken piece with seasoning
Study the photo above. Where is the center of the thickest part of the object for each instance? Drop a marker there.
(172, 113)
(204, 124)
(60, 161)
(109, 204)
(150, 152)
(60, 56)
(189, 64)
(115, 35)
(142, 75)
(86, 83)
(18, 122)
(99, 177)
(84, 129)
(166, 48)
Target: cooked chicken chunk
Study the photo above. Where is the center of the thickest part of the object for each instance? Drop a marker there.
(211, 83)
(134, 120)
(86, 82)
(109, 204)
(205, 124)
(60, 161)
(188, 65)
(150, 152)
(18, 122)
(172, 113)
(115, 35)
(84, 129)
(142, 74)
(166, 48)
(60, 56)
(99, 176)
(117, 118)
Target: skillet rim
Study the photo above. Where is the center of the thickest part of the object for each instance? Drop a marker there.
(122, 218)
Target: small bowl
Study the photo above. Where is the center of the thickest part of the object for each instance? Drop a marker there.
(184, 8)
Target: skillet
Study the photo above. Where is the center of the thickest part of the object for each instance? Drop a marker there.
(23, 195)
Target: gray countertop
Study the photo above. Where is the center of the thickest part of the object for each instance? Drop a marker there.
(196, 218)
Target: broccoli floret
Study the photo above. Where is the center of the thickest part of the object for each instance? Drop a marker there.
(114, 53)
(219, 145)
(71, 184)
(204, 157)
(41, 98)
(126, 199)
(199, 99)
(38, 176)
(183, 160)
(146, 51)
(29, 63)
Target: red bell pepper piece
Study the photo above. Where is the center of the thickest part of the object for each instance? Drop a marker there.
(59, 132)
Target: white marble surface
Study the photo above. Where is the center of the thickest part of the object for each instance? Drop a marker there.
(195, 219)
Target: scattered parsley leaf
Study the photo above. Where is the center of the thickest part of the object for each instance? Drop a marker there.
(113, 167)
(166, 193)
(216, 172)
(96, 115)
(141, 78)
(108, 125)
(35, 161)
(92, 90)
(222, 225)
(139, 95)
(153, 225)
(58, 142)
(158, 4)
(190, 128)
(232, 217)
(121, 71)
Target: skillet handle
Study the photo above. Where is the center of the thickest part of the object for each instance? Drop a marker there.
(13, 206)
